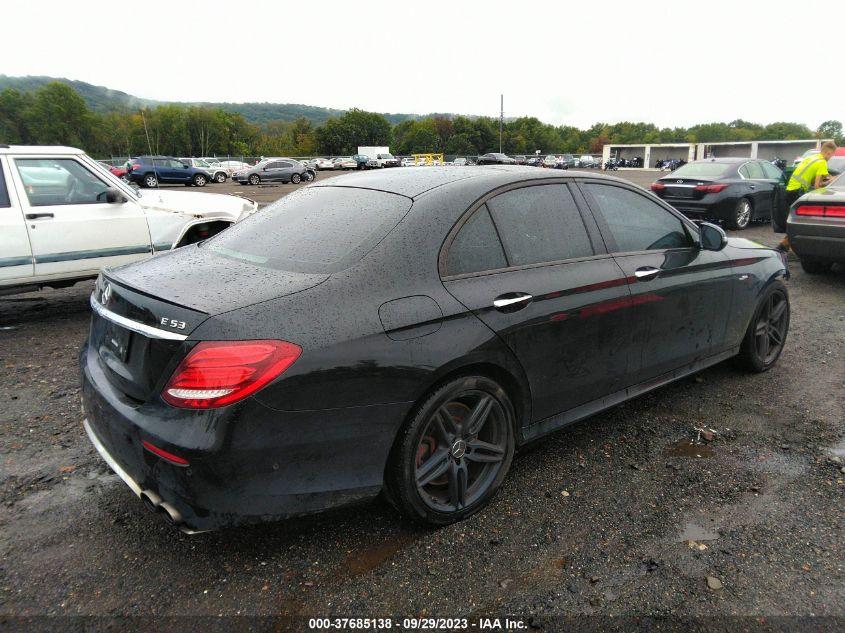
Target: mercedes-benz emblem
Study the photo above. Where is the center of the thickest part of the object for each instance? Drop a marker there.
(105, 296)
(459, 449)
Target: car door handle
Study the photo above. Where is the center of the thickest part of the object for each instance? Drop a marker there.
(512, 301)
(753, 186)
(646, 273)
(36, 216)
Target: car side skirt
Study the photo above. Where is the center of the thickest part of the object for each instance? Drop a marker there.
(558, 421)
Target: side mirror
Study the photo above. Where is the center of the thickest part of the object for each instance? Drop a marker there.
(185, 166)
(113, 196)
(713, 238)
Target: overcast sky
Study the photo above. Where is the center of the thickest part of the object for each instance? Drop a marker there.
(670, 63)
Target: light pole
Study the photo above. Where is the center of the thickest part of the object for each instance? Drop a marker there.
(501, 119)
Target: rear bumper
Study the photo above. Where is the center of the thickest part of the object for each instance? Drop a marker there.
(818, 239)
(719, 209)
(248, 463)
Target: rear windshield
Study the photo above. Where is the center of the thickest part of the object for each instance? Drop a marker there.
(313, 230)
(701, 170)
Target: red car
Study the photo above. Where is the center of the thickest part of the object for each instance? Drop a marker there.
(119, 172)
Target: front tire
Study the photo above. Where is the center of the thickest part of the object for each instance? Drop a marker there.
(200, 180)
(220, 178)
(254, 179)
(451, 455)
(741, 216)
(766, 334)
(296, 179)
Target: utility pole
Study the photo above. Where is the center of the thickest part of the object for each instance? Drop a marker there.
(501, 119)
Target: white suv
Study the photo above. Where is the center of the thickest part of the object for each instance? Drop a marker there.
(218, 172)
(63, 216)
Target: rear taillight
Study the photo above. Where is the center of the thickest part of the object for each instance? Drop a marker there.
(818, 211)
(217, 373)
(710, 188)
(657, 186)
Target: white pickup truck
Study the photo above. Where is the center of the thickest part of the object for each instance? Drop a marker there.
(63, 217)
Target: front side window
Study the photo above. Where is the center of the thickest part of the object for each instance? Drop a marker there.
(771, 171)
(637, 223)
(476, 247)
(55, 181)
(4, 193)
(540, 224)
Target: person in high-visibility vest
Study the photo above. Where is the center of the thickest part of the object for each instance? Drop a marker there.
(811, 173)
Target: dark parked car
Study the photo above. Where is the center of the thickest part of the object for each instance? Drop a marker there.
(405, 331)
(736, 191)
(816, 227)
(274, 170)
(149, 171)
(495, 159)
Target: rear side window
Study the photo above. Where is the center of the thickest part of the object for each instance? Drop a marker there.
(540, 224)
(476, 247)
(637, 223)
(755, 170)
(313, 230)
(771, 171)
(4, 193)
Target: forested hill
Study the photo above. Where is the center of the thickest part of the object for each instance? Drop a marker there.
(101, 99)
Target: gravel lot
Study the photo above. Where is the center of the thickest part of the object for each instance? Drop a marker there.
(617, 515)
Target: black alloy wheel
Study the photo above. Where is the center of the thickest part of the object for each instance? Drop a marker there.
(766, 334)
(453, 454)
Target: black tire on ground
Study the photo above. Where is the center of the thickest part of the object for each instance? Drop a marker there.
(254, 179)
(814, 266)
(740, 217)
(296, 179)
(767, 332)
(452, 453)
(220, 177)
(150, 181)
(200, 180)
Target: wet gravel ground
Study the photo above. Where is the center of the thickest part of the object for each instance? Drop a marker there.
(627, 513)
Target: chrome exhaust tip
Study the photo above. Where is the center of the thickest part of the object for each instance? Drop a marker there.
(151, 500)
(171, 514)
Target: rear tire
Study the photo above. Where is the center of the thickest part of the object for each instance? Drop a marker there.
(741, 216)
(453, 452)
(150, 181)
(766, 334)
(814, 266)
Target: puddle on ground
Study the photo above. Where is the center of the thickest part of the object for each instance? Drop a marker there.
(692, 531)
(364, 560)
(685, 448)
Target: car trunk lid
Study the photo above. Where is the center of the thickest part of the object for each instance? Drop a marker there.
(145, 313)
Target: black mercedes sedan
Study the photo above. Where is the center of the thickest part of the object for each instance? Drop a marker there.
(816, 227)
(496, 158)
(405, 331)
(735, 191)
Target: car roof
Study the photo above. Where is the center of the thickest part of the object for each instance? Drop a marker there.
(39, 149)
(412, 183)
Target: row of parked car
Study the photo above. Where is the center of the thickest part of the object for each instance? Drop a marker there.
(149, 171)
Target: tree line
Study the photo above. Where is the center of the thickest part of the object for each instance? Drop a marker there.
(57, 115)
